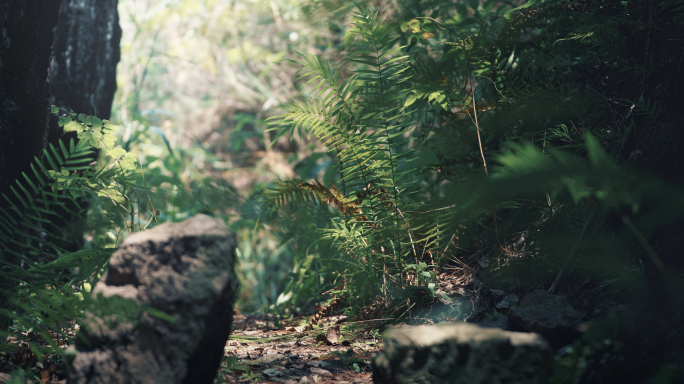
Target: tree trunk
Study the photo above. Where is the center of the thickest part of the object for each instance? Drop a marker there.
(84, 57)
(25, 45)
(83, 79)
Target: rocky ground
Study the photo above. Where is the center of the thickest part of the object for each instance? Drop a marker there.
(263, 349)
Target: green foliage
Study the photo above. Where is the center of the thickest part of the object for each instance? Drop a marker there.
(424, 277)
(454, 112)
(47, 286)
(363, 122)
(181, 180)
(21, 376)
(448, 114)
(526, 170)
(208, 89)
(231, 363)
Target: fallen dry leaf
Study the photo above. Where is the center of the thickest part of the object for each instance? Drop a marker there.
(333, 334)
(320, 371)
(297, 355)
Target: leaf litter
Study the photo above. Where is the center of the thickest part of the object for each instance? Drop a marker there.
(260, 352)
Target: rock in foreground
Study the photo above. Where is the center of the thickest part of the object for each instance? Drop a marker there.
(461, 353)
(549, 315)
(185, 270)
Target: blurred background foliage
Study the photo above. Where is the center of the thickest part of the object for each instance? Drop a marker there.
(508, 146)
(196, 81)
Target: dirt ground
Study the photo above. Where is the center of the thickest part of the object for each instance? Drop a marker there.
(262, 349)
(259, 352)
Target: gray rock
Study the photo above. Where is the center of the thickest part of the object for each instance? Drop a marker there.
(458, 353)
(506, 301)
(272, 373)
(185, 270)
(496, 320)
(549, 315)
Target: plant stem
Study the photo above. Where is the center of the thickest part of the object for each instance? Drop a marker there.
(644, 243)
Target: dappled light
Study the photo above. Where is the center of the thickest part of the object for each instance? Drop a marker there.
(298, 191)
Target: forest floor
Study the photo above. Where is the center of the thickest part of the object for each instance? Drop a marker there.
(258, 351)
(261, 348)
(264, 349)
(339, 349)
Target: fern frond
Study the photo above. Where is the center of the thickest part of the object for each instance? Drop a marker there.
(297, 191)
(362, 120)
(36, 289)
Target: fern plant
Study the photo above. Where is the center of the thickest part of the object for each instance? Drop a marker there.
(556, 74)
(362, 120)
(46, 294)
(490, 77)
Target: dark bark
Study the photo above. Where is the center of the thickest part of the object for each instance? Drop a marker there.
(25, 45)
(25, 41)
(83, 78)
(84, 57)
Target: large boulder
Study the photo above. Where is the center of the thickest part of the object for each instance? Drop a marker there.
(549, 315)
(185, 270)
(458, 353)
